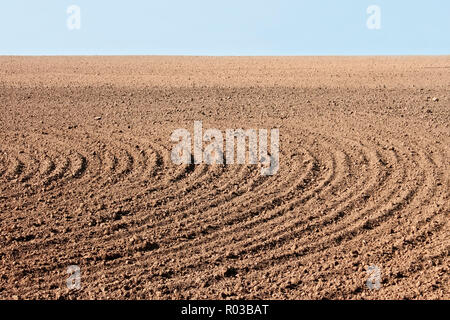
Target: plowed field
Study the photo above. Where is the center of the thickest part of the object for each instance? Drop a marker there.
(86, 178)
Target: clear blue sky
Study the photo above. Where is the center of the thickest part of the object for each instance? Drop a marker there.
(225, 27)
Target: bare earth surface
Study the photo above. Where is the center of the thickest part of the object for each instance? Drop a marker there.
(364, 178)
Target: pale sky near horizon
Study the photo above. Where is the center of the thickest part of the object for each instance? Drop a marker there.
(232, 27)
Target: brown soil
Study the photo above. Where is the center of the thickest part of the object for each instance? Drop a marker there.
(364, 178)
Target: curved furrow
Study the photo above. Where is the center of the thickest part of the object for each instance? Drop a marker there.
(283, 208)
(339, 231)
(15, 168)
(383, 216)
(230, 226)
(222, 205)
(112, 240)
(308, 255)
(232, 186)
(252, 240)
